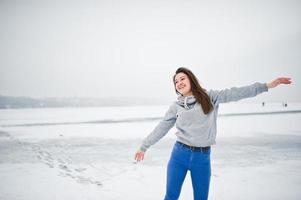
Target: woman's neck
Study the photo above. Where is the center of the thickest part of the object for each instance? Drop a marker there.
(188, 94)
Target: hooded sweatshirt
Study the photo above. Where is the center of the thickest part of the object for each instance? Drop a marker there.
(195, 128)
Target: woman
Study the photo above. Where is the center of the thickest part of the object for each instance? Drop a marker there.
(195, 114)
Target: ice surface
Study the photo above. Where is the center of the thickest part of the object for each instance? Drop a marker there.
(256, 156)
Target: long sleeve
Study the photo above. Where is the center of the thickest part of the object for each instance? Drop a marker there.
(161, 129)
(237, 93)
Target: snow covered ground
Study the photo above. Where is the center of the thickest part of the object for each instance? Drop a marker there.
(87, 153)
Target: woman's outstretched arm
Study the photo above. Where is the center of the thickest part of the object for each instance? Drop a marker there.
(160, 130)
(238, 93)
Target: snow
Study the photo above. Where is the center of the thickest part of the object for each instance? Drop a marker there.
(256, 156)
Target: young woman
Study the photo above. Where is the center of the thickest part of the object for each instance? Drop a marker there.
(195, 114)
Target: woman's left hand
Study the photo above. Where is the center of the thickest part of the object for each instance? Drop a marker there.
(278, 81)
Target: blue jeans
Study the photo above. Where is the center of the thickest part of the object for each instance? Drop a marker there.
(197, 162)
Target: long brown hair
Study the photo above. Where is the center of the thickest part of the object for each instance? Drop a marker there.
(198, 92)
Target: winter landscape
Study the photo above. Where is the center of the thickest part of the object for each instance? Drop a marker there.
(88, 153)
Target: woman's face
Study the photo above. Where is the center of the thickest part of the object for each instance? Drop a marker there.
(182, 84)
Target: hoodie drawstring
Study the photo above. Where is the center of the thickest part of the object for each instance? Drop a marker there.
(185, 103)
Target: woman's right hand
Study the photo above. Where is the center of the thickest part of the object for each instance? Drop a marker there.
(139, 156)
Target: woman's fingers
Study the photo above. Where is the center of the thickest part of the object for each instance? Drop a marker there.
(284, 80)
(139, 156)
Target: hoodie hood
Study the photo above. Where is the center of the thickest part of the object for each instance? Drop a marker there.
(187, 102)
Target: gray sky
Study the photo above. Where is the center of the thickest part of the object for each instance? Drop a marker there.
(132, 48)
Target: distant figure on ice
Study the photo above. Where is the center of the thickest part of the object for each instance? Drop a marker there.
(195, 115)
(263, 104)
(284, 104)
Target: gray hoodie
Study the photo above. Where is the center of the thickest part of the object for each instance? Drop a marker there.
(194, 128)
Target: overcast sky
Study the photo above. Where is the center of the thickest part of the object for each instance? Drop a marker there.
(132, 48)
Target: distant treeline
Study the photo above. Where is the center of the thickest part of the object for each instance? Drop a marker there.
(7, 102)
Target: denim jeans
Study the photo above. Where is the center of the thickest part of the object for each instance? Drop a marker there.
(197, 162)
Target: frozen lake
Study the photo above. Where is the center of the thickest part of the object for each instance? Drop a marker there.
(87, 153)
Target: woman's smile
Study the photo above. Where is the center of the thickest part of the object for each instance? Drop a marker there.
(181, 87)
